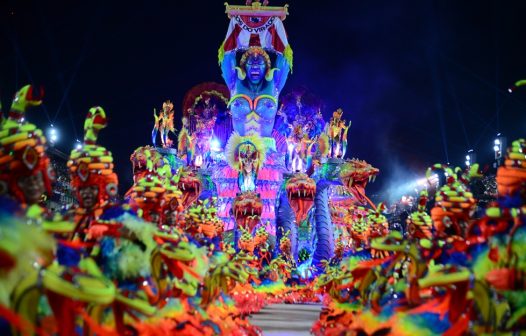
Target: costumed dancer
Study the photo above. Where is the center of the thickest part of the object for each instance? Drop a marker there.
(95, 185)
(26, 176)
(92, 176)
(126, 247)
(147, 196)
(164, 123)
(29, 174)
(26, 173)
(186, 143)
(337, 132)
(25, 170)
(344, 138)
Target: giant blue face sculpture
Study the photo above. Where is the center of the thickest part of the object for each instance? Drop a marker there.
(255, 68)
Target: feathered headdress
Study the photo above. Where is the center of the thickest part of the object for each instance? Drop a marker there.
(234, 144)
(511, 176)
(93, 164)
(22, 146)
(254, 52)
(147, 194)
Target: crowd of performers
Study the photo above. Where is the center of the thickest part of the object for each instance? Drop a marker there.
(152, 265)
(156, 264)
(455, 271)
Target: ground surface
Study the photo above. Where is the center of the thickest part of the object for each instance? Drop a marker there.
(287, 319)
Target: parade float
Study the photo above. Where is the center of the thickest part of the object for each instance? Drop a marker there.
(252, 202)
(271, 162)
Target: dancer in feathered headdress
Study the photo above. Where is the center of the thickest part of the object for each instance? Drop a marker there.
(186, 143)
(25, 171)
(147, 194)
(91, 170)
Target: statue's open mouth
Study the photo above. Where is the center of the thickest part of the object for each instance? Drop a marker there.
(300, 193)
(191, 189)
(247, 210)
(357, 188)
(355, 175)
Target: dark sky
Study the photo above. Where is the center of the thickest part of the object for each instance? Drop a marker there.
(422, 81)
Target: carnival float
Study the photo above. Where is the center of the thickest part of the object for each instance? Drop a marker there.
(253, 202)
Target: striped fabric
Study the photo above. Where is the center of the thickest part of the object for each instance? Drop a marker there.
(247, 31)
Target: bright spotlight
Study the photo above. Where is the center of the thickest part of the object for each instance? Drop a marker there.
(198, 161)
(471, 158)
(422, 182)
(215, 145)
(499, 147)
(52, 134)
(78, 144)
(425, 182)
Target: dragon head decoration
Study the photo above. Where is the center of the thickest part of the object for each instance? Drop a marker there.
(300, 193)
(355, 174)
(247, 209)
(190, 185)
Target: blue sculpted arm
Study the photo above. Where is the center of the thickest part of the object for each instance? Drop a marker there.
(283, 71)
(228, 68)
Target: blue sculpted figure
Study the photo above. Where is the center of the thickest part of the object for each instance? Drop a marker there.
(254, 86)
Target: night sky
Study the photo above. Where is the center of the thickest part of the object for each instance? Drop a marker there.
(422, 81)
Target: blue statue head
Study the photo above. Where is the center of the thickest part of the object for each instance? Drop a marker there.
(255, 65)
